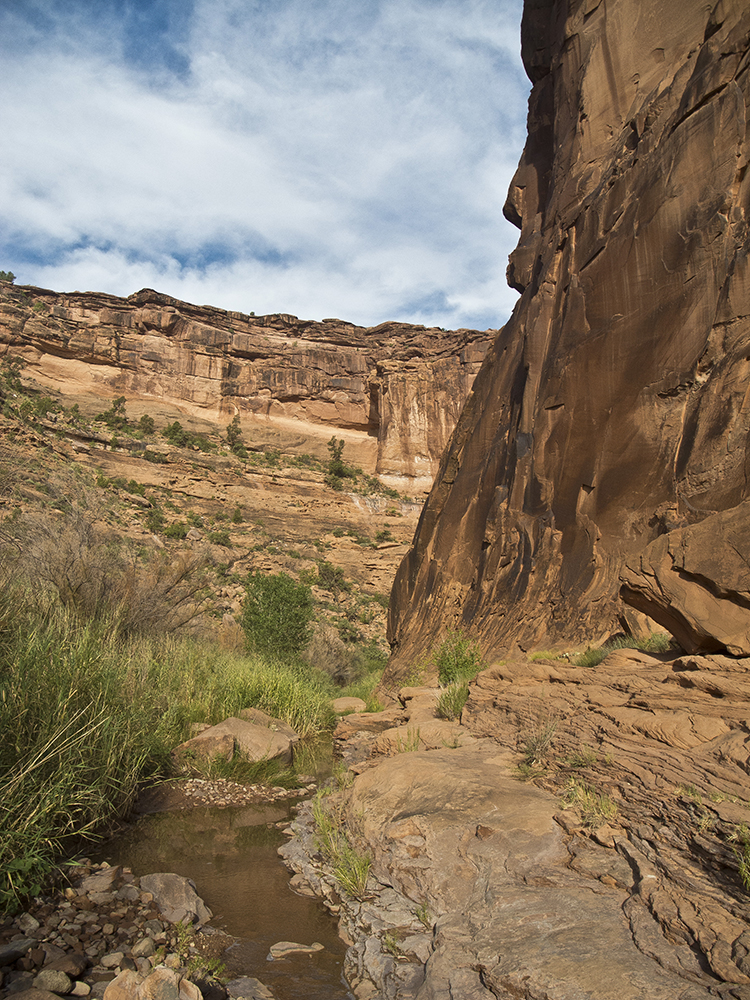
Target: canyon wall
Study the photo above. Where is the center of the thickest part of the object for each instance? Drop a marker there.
(614, 406)
(393, 392)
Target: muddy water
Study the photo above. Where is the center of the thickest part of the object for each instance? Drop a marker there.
(230, 854)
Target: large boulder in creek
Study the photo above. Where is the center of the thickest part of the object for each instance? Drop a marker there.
(256, 742)
(696, 582)
(176, 898)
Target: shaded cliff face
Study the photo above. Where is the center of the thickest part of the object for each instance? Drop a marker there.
(613, 407)
(393, 391)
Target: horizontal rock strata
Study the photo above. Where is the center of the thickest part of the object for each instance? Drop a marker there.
(394, 391)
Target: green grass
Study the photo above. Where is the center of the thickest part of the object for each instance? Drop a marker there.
(657, 642)
(350, 868)
(595, 808)
(87, 718)
(452, 700)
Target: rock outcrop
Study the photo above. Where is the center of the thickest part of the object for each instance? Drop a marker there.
(393, 391)
(613, 407)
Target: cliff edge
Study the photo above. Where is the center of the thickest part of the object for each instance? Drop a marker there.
(613, 407)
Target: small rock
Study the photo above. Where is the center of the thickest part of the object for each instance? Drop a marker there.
(143, 949)
(112, 960)
(80, 990)
(14, 950)
(54, 981)
(123, 987)
(342, 706)
(27, 924)
(283, 948)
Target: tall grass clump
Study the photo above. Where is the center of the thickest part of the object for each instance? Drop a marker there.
(88, 715)
(457, 658)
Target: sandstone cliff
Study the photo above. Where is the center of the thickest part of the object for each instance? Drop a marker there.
(393, 391)
(613, 407)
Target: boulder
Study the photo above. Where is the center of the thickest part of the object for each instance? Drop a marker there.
(343, 706)
(256, 742)
(695, 581)
(176, 898)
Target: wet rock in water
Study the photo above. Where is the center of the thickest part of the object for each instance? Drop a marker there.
(283, 948)
(248, 988)
(176, 898)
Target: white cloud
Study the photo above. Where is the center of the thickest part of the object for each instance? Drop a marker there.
(321, 159)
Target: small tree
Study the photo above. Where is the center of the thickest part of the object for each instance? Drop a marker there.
(7, 276)
(234, 438)
(338, 470)
(276, 614)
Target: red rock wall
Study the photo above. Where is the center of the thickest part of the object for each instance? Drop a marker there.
(396, 390)
(615, 404)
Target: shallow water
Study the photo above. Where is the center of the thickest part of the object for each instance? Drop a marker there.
(231, 856)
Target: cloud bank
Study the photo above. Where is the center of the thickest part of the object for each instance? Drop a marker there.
(318, 157)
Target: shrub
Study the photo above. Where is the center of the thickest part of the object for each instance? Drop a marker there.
(178, 529)
(276, 614)
(220, 538)
(7, 276)
(658, 642)
(338, 471)
(115, 417)
(457, 659)
(331, 578)
(146, 424)
(452, 700)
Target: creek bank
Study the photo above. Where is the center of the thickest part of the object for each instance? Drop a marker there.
(613, 875)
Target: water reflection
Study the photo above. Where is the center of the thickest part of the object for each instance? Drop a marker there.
(231, 856)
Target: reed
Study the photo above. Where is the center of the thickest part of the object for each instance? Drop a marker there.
(88, 716)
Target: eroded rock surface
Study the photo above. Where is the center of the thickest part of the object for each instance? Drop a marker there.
(394, 391)
(696, 582)
(586, 844)
(612, 408)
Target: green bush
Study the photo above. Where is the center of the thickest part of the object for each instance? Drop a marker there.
(178, 529)
(146, 424)
(277, 614)
(457, 658)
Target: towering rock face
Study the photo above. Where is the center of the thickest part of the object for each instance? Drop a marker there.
(393, 391)
(615, 404)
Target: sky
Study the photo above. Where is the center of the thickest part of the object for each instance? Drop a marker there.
(326, 158)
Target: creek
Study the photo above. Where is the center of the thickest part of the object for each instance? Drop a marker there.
(230, 854)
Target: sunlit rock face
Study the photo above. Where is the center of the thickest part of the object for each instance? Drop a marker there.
(614, 406)
(393, 391)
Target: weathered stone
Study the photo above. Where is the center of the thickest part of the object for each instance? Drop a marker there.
(54, 981)
(283, 948)
(101, 881)
(176, 898)
(143, 949)
(343, 706)
(695, 581)
(259, 718)
(73, 963)
(394, 390)
(256, 742)
(612, 407)
(162, 984)
(126, 986)
(14, 950)
(112, 960)
(27, 924)
(249, 988)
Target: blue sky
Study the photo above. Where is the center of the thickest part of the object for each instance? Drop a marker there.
(343, 158)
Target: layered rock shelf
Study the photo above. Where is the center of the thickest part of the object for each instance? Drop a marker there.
(393, 391)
